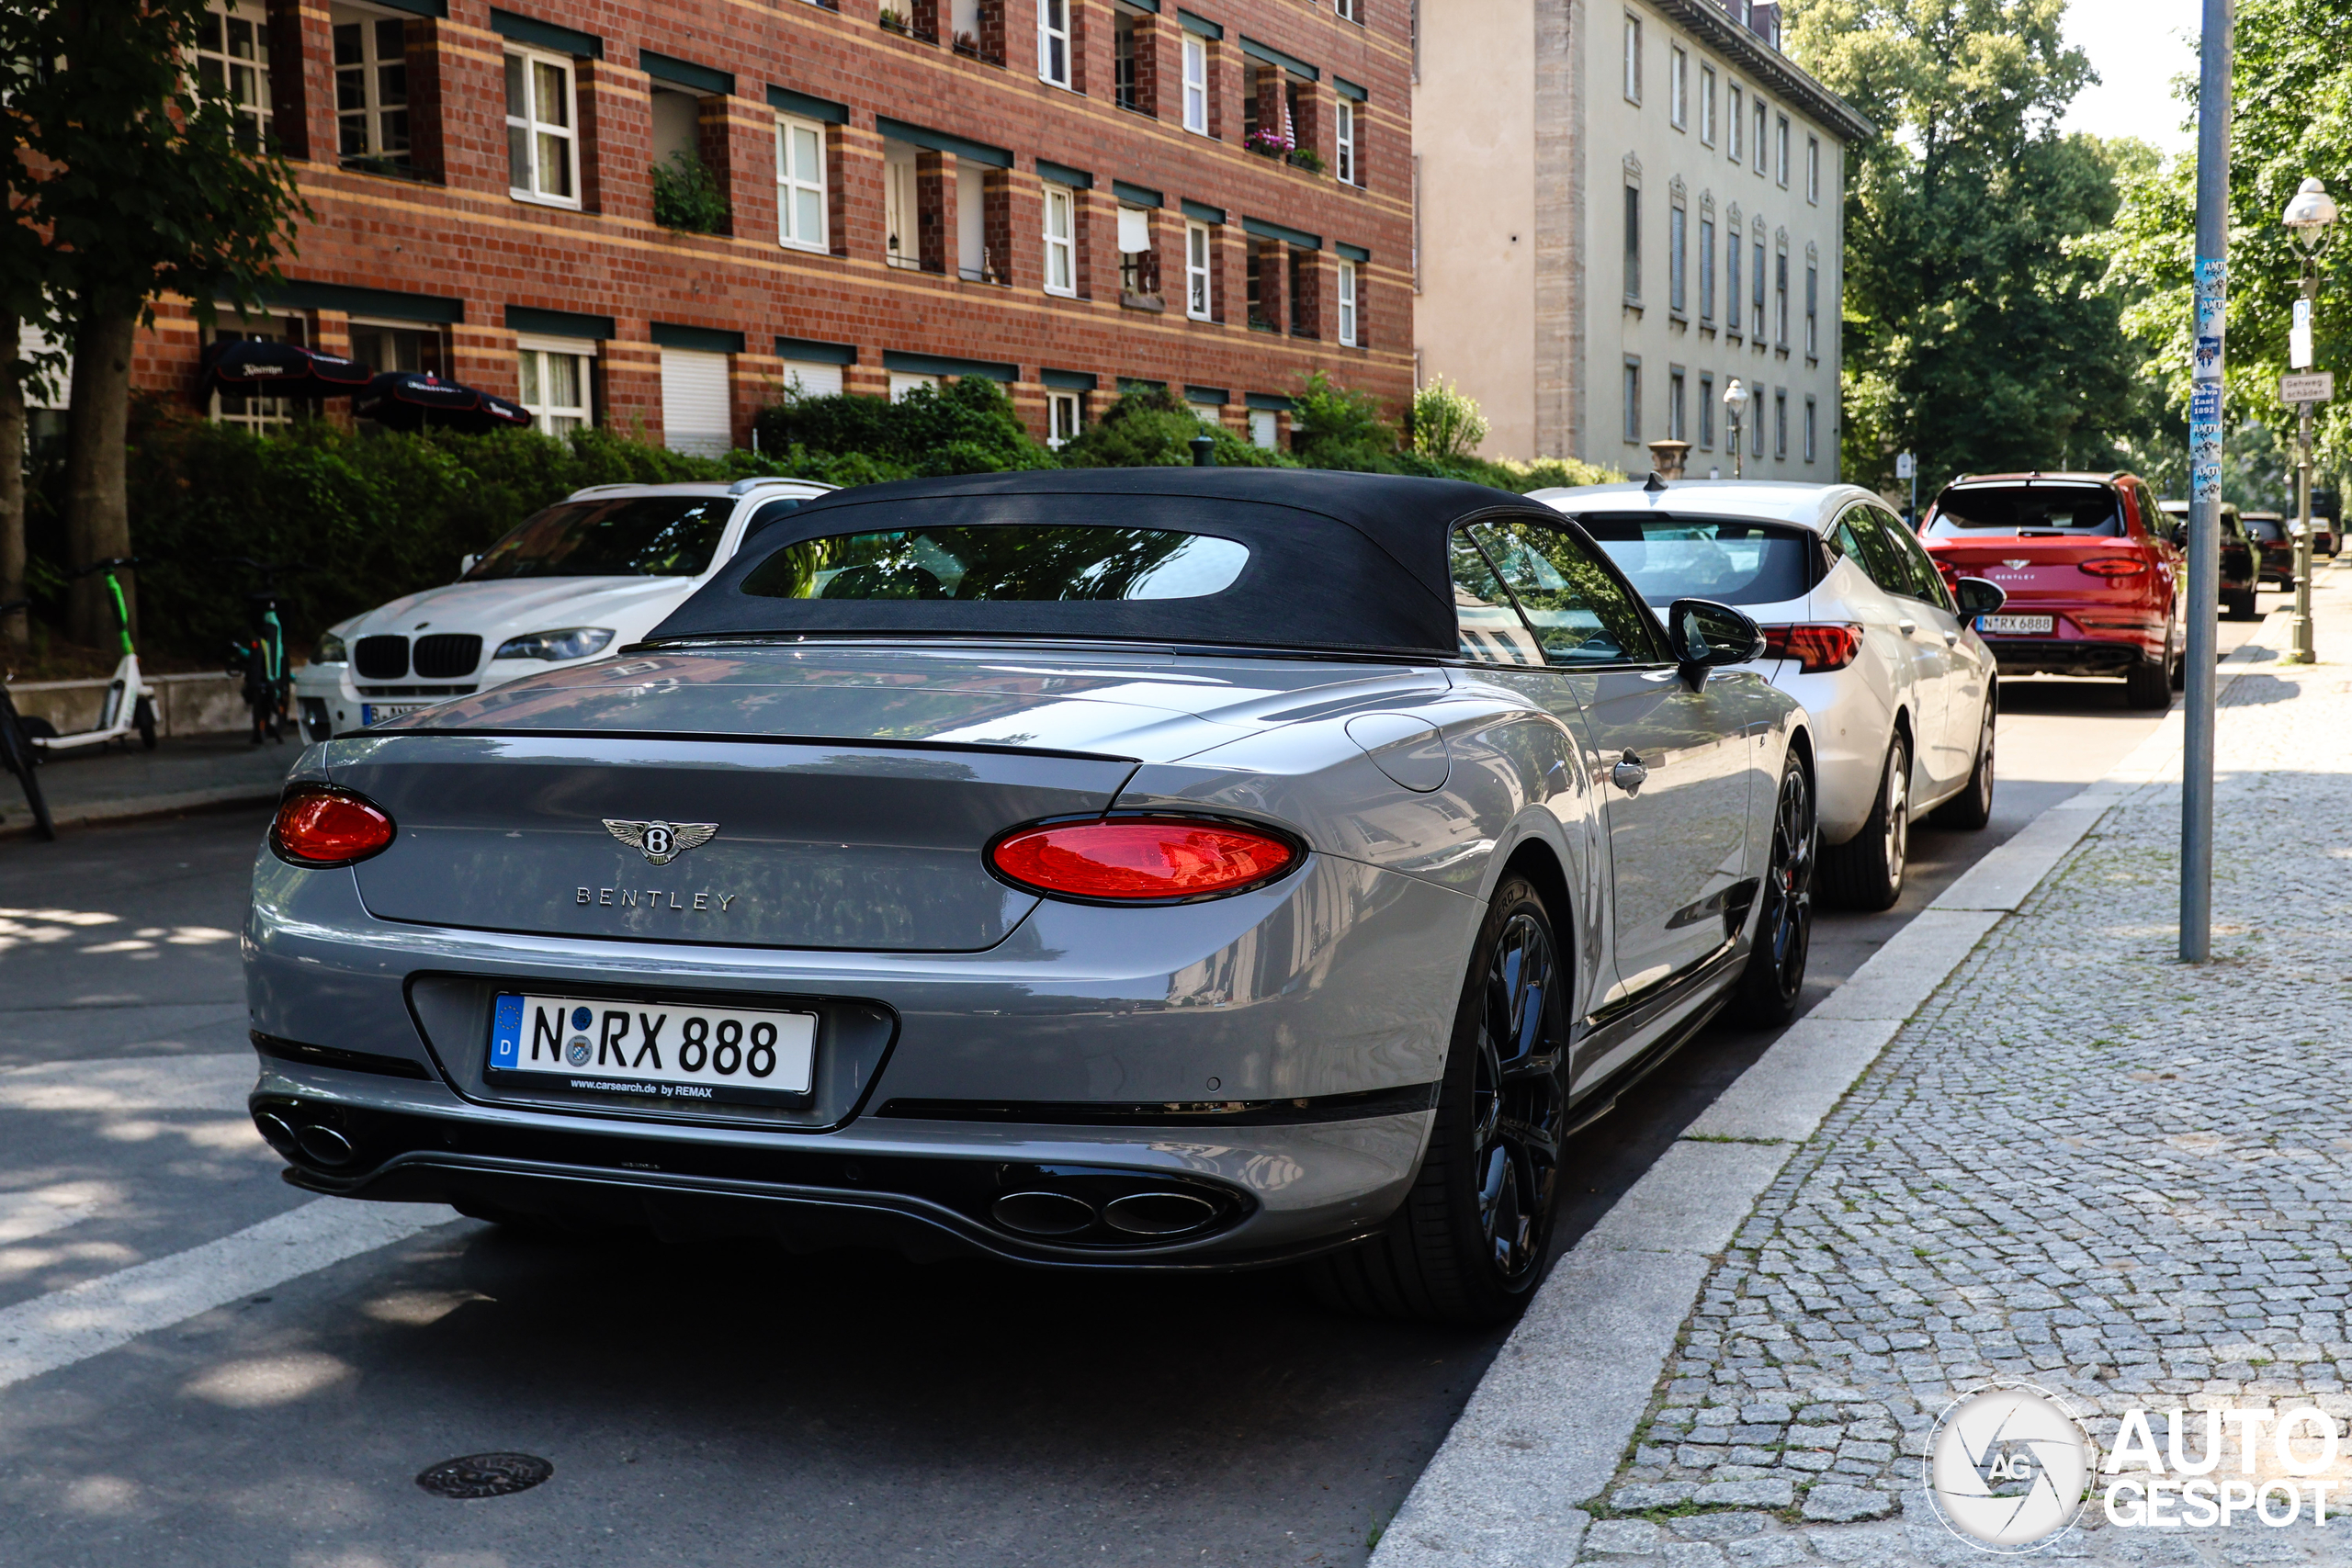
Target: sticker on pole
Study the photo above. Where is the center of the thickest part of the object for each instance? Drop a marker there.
(2311, 386)
(2205, 403)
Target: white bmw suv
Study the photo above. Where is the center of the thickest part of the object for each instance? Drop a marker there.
(595, 571)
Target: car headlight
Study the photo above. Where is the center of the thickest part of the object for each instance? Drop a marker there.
(568, 642)
(332, 650)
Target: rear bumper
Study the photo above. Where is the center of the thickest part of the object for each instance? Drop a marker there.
(2072, 656)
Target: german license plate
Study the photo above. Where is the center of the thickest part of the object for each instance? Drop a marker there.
(372, 714)
(692, 1054)
(2014, 626)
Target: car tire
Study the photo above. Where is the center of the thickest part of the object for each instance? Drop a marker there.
(1866, 872)
(2147, 687)
(1774, 982)
(1469, 1244)
(1972, 808)
(2239, 604)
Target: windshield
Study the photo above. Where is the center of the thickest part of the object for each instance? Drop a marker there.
(2024, 511)
(643, 536)
(2266, 526)
(1001, 560)
(1731, 562)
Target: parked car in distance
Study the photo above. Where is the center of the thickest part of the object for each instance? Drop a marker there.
(1175, 869)
(593, 572)
(2092, 578)
(2240, 566)
(1858, 626)
(2327, 521)
(2272, 534)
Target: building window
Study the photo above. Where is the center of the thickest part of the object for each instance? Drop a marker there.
(256, 415)
(1756, 295)
(1122, 59)
(800, 184)
(370, 86)
(1706, 411)
(902, 211)
(1633, 395)
(1065, 412)
(555, 384)
(1348, 303)
(904, 382)
(1674, 425)
(1348, 10)
(1732, 124)
(1197, 85)
(1199, 296)
(1677, 89)
(1810, 432)
(233, 59)
(1812, 311)
(1731, 281)
(1061, 240)
(1756, 424)
(1781, 149)
(1759, 158)
(542, 143)
(1633, 59)
(1138, 261)
(1344, 119)
(1707, 104)
(1781, 299)
(1633, 244)
(1265, 429)
(1706, 269)
(1675, 300)
(1781, 426)
(1053, 42)
(1813, 170)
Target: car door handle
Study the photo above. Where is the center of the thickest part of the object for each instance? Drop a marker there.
(1952, 639)
(1907, 627)
(1629, 775)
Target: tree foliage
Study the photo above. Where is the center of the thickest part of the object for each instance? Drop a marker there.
(1152, 428)
(1978, 329)
(968, 426)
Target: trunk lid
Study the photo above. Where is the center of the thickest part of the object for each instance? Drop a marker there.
(2034, 570)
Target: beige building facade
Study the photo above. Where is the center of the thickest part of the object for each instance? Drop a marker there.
(1620, 205)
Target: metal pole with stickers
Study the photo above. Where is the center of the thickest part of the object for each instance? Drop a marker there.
(2205, 480)
(2310, 217)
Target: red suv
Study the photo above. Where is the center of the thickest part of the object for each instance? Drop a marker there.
(2090, 569)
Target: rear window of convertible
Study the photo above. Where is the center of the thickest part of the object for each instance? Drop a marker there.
(1016, 562)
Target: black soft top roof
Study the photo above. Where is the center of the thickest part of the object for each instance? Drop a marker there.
(1337, 560)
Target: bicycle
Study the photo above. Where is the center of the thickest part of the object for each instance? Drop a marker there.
(129, 707)
(17, 753)
(261, 657)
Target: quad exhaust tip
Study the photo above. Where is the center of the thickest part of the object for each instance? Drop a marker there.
(1154, 1214)
(1043, 1214)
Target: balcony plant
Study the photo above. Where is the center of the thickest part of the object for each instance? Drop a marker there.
(686, 197)
(1307, 158)
(1271, 143)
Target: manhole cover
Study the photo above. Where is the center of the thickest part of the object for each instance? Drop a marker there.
(485, 1475)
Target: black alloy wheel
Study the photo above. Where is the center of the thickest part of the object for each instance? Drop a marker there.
(1973, 808)
(1471, 1240)
(1774, 979)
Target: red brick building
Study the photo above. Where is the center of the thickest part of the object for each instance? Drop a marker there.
(1053, 193)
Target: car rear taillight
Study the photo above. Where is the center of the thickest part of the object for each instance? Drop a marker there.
(2114, 566)
(319, 826)
(1817, 646)
(1140, 859)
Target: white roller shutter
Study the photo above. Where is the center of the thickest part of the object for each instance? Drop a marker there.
(814, 380)
(694, 410)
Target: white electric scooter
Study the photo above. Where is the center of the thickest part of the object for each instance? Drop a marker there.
(129, 707)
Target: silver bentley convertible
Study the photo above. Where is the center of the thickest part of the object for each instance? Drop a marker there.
(1136, 868)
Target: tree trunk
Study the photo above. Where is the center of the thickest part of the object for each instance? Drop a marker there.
(14, 626)
(97, 509)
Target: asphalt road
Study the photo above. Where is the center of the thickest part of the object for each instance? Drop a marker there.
(699, 1404)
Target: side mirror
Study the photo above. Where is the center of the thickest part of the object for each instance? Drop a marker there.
(1705, 634)
(466, 564)
(1977, 597)
(2178, 534)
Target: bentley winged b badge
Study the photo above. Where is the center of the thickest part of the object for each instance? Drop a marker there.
(661, 841)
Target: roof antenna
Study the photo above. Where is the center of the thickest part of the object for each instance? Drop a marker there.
(1655, 483)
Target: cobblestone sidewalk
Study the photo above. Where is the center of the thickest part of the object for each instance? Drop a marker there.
(2081, 1165)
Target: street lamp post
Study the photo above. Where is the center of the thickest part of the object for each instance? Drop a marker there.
(2311, 216)
(1735, 404)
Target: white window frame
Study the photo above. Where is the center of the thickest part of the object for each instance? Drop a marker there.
(904, 382)
(1343, 120)
(1813, 170)
(1761, 154)
(1677, 387)
(1345, 10)
(1630, 395)
(368, 72)
(1677, 89)
(1706, 104)
(1734, 127)
(1781, 149)
(244, 76)
(1347, 303)
(1632, 58)
(1062, 414)
(535, 128)
(902, 209)
(1812, 428)
(545, 414)
(1196, 84)
(1062, 246)
(792, 182)
(1200, 281)
(1265, 429)
(1053, 42)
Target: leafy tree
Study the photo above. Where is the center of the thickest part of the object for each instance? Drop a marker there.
(686, 196)
(1978, 330)
(1447, 424)
(1341, 428)
(1152, 428)
(2292, 101)
(142, 177)
(968, 426)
